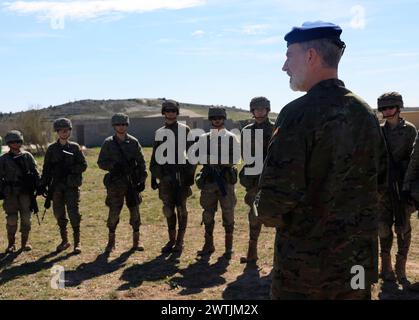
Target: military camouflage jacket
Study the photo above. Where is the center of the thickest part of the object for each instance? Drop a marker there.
(64, 164)
(110, 155)
(227, 167)
(400, 140)
(250, 181)
(168, 170)
(322, 180)
(11, 173)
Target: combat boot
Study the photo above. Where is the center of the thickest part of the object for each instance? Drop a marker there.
(179, 241)
(208, 247)
(136, 245)
(25, 246)
(64, 245)
(11, 247)
(77, 246)
(111, 242)
(169, 245)
(387, 273)
(252, 252)
(400, 267)
(228, 244)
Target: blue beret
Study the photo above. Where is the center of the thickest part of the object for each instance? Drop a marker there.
(315, 30)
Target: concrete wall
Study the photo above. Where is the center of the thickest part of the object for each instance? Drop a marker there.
(93, 132)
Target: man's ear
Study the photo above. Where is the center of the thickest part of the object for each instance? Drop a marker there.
(312, 57)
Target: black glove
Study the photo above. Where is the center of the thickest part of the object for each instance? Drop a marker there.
(154, 184)
(140, 187)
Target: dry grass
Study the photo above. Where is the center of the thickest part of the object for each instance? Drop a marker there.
(148, 274)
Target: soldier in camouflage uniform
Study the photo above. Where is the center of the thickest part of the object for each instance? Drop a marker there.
(122, 156)
(62, 175)
(175, 179)
(217, 182)
(260, 108)
(323, 176)
(400, 136)
(20, 180)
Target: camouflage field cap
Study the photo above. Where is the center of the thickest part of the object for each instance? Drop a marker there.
(389, 99)
(62, 123)
(13, 135)
(215, 112)
(170, 105)
(120, 118)
(260, 102)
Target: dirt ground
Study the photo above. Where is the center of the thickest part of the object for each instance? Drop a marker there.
(149, 274)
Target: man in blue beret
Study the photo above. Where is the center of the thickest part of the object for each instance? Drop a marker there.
(323, 177)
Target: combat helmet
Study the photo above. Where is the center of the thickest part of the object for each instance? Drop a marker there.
(13, 135)
(215, 112)
(170, 105)
(62, 123)
(390, 99)
(120, 118)
(260, 102)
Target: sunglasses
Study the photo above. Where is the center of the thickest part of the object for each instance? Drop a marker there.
(16, 142)
(170, 110)
(217, 118)
(121, 125)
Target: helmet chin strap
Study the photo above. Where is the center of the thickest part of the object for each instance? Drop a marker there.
(391, 116)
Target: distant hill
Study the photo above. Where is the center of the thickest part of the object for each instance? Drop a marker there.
(99, 109)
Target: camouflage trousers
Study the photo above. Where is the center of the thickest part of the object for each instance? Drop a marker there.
(279, 291)
(66, 198)
(116, 194)
(210, 196)
(385, 230)
(254, 225)
(171, 211)
(16, 204)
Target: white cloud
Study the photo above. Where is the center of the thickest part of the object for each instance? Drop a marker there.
(88, 9)
(358, 17)
(255, 29)
(198, 33)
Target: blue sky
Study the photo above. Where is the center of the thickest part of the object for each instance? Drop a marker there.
(197, 51)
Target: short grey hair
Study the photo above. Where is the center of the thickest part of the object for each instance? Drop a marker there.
(327, 49)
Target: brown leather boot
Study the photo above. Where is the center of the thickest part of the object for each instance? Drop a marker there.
(11, 247)
(400, 267)
(172, 240)
(136, 244)
(208, 247)
(64, 245)
(25, 246)
(252, 252)
(111, 242)
(77, 246)
(387, 273)
(179, 241)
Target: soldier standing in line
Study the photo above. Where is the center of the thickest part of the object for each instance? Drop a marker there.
(396, 208)
(217, 181)
(323, 176)
(175, 179)
(122, 156)
(19, 173)
(61, 180)
(260, 108)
